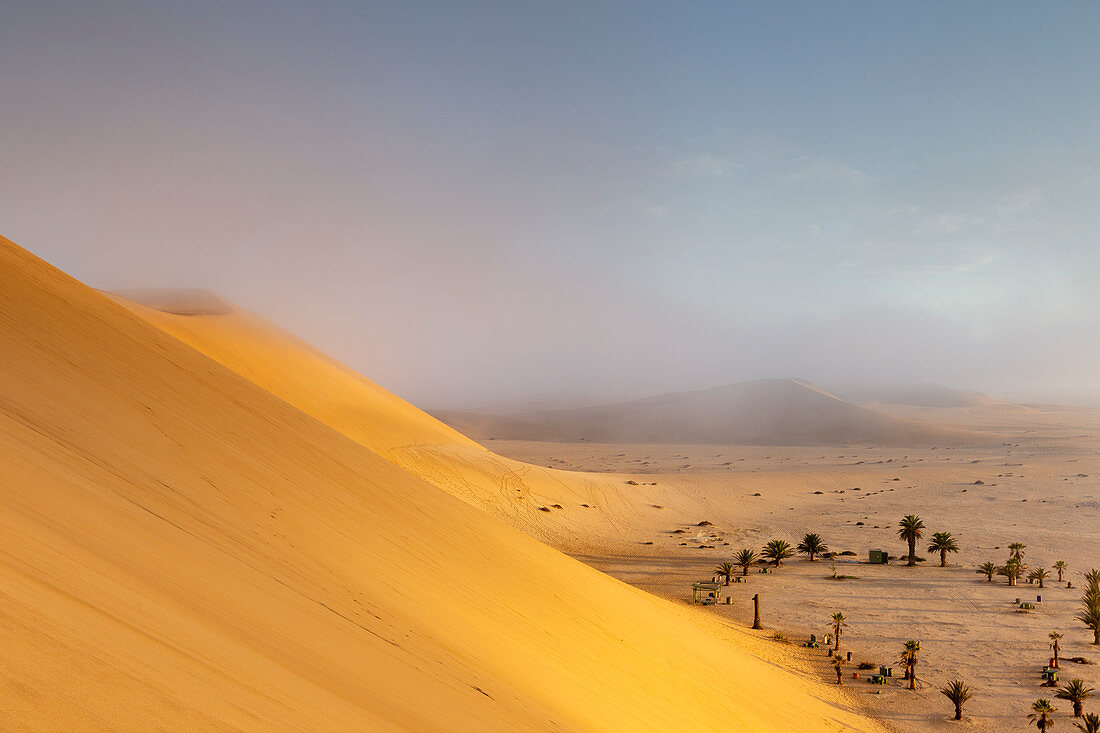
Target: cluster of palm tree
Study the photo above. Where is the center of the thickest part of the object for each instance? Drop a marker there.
(1076, 692)
(911, 528)
(1089, 614)
(1014, 567)
(908, 660)
(775, 551)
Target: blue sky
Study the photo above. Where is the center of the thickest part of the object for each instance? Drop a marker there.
(472, 201)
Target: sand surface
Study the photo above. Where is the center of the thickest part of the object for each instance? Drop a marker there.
(1041, 488)
(185, 550)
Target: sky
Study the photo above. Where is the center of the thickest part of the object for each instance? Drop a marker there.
(472, 202)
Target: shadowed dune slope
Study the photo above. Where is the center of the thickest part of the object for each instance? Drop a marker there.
(764, 412)
(182, 550)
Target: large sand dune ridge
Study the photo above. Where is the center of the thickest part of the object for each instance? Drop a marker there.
(185, 550)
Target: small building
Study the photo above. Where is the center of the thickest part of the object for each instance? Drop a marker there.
(878, 557)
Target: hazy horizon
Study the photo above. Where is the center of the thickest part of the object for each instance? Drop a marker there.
(482, 203)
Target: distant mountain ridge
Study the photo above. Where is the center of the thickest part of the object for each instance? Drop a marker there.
(761, 412)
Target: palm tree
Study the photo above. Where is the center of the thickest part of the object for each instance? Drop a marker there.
(812, 545)
(909, 661)
(1055, 646)
(987, 569)
(838, 665)
(943, 543)
(777, 551)
(745, 558)
(1076, 691)
(838, 620)
(1090, 617)
(1060, 566)
(1017, 550)
(1039, 574)
(957, 692)
(910, 529)
(1011, 569)
(725, 570)
(1092, 578)
(1042, 714)
(1090, 723)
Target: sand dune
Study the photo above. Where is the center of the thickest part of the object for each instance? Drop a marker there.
(764, 412)
(923, 395)
(183, 550)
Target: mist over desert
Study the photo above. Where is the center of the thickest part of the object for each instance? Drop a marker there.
(588, 367)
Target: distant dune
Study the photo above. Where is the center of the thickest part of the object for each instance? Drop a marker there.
(182, 549)
(764, 412)
(922, 395)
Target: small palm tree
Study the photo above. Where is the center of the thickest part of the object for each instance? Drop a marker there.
(725, 570)
(1017, 550)
(909, 661)
(777, 551)
(839, 622)
(1076, 691)
(1090, 723)
(1092, 578)
(1039, 574)
(1042, 713)
(943, 543)
(910, 529)
(1090, 617)
(812, 545)
(987, 569)
(745, 558)
(838, 665)
(1011, 570)
(1055, 645)
(1060, 566)
(958, 692)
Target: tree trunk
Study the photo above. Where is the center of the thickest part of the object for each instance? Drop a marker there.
(756, 612)
(1078, 709)
(1040, 582)
(913, 678)
(958, 711)
(836, 647)
(912, 551)
(943, 558)
(1096, 636)
(839, 677)
(727, 580)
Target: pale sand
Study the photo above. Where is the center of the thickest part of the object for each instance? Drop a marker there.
(183, 550)
(967, 627)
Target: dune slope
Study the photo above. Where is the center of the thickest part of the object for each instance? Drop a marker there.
(372, 416)
(182, 550)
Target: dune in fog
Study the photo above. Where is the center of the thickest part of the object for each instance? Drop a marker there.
(764, 412)
(184, 550)
(922, 395)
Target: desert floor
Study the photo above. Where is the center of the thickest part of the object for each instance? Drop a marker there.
(1039, 484)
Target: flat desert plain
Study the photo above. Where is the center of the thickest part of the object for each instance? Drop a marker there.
(1037, 482)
